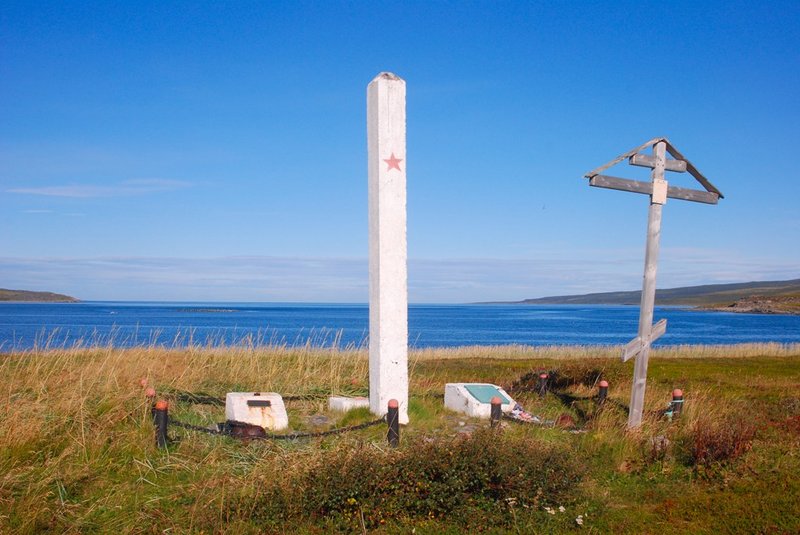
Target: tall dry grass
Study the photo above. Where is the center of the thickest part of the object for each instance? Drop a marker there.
(73, 421)
(76, 438)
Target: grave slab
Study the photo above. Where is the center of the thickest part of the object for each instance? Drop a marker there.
(474, 399)
(264, 409)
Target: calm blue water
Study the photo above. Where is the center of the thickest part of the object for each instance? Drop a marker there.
(22, 326)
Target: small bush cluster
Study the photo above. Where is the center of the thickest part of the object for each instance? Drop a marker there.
(432, 479)
(568, 374)
(712, 441)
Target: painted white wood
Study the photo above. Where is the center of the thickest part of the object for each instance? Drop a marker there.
(388, 272)
(643, 160)
(648, 292)
(659, 195)
(635, 186)
(658, 330)
(690, 168)
(632, 348)
(635, 346)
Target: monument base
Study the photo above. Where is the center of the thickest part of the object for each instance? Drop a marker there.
(474, 399)
(264, 409)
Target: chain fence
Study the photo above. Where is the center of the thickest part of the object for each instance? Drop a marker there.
(241, 430)
(227, 429)
(246, 431)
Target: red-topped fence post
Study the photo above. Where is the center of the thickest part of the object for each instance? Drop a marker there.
(161, 420)
(393, 421)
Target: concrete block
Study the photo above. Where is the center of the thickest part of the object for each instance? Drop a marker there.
(344, 403)
(264, 409)
(474, 399)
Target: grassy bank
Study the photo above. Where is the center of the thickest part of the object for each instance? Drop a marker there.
(77, 452)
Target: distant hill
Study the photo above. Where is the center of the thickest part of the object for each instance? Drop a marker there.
(709, 295)
(26, 296)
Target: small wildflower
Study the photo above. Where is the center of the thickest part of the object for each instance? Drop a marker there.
(579, 520)
(550, 510)
(561, 508)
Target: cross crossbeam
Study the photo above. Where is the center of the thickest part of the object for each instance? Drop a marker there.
(643, 160)
(637, 345)
(635, 186)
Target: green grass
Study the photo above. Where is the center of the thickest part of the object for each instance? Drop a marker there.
(77, 451)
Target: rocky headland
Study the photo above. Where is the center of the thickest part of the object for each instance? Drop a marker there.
(759, 304)
(26, 296)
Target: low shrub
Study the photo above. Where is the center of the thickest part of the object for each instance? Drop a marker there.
(431, 479)
(569, 374)
(712, 441)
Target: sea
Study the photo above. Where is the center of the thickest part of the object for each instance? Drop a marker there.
(25, 326)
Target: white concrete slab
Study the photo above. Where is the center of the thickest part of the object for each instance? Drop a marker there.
(388, 272)
(264, 409)
(473, 399)
(344, 403)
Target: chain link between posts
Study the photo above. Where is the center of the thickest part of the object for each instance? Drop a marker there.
(271, 436)
(227, 429)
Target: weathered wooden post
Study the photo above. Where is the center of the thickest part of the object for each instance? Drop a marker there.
(388, 275)
(496, 411)
(602, 393)
(161, 421)
(659, 191)
(541, 386)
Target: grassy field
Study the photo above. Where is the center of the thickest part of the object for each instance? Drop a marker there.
(77, 451)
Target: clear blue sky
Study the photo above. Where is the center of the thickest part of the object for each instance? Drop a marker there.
(217, 150)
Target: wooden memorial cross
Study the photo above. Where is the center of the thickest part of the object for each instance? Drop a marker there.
(659, 191)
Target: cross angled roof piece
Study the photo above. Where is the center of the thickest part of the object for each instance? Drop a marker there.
(670, 149)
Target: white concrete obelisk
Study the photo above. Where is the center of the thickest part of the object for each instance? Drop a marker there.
(388, 271)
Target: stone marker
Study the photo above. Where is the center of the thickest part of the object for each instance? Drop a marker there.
(474, 399)
(344, 403)
(264, 409)
(388, 274)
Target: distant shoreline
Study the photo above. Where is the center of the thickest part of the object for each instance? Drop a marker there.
(749, 305)
(27, 296)
(762, 297)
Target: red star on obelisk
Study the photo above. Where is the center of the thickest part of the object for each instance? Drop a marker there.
(394, 163)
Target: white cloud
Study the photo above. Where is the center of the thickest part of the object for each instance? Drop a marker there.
(122, 189)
